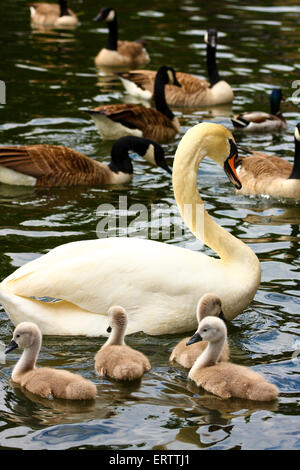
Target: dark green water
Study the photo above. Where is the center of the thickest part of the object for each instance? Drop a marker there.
(50, 78)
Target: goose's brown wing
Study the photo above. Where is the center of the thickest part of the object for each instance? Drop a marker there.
(49, 163)
(151, 122)
(130, 48)
(46, 8)
(260, 164)
(145, 80)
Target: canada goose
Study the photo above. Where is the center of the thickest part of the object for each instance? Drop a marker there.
(52, 165)
(44, 381)
(160, 124)
(258, 121)
(225, 379)
(269, 174)
(194, 91)
(166, 280)
(209, 304)
(119, 53)
(115, 359)
(52, 14)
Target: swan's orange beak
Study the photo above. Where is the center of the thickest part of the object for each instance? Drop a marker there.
(229, 166)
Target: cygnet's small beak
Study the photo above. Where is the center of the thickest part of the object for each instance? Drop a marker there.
(12, 345)
(109, 329)
(194, 339)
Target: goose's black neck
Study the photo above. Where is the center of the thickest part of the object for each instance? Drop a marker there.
(211, 65)
(63, 8)
(296, 167)
(120, 160)
(112, 43)
(159, 95)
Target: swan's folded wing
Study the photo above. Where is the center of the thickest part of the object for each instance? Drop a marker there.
(96, 274)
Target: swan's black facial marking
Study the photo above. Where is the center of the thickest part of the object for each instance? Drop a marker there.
(230, 165)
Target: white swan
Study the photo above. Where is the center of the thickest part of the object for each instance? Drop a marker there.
(158, 284)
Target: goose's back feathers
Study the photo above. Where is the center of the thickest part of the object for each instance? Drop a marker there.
(55, 383)
(194, 91)
(52, 165)
(121, 362)
(267, 174)
(128, 53)
(48, 14)
(262, 165)
(135, 120)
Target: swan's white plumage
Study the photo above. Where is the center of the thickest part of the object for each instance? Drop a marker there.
(159, 284)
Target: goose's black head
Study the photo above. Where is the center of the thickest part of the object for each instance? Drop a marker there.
(106, 14)
(211, 37)
(159, 157)
(167, 75)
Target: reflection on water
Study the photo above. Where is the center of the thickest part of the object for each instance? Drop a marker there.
(51, 79)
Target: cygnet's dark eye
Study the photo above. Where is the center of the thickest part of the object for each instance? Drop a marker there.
(17, 336)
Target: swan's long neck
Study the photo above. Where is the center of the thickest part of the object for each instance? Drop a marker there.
(193, 147)
(116, 336)
(27, 360)
(210, 355)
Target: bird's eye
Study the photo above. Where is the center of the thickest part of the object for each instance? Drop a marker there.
(17, 336)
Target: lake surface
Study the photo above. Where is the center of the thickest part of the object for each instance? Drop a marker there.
(50, 79)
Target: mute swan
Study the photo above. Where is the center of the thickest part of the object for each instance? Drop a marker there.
(269, 174)
(114, 358)
(160, 124)
(258, 121)
(211, 305)
(54, 165)
(50, 14)
(194, 91)
(225, 379)
(119, 53)
(159, 283)
(44, 381)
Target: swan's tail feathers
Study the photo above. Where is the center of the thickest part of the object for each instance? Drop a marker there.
(239, 122)
(83, 390)
(263, 391)
(128, 371)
